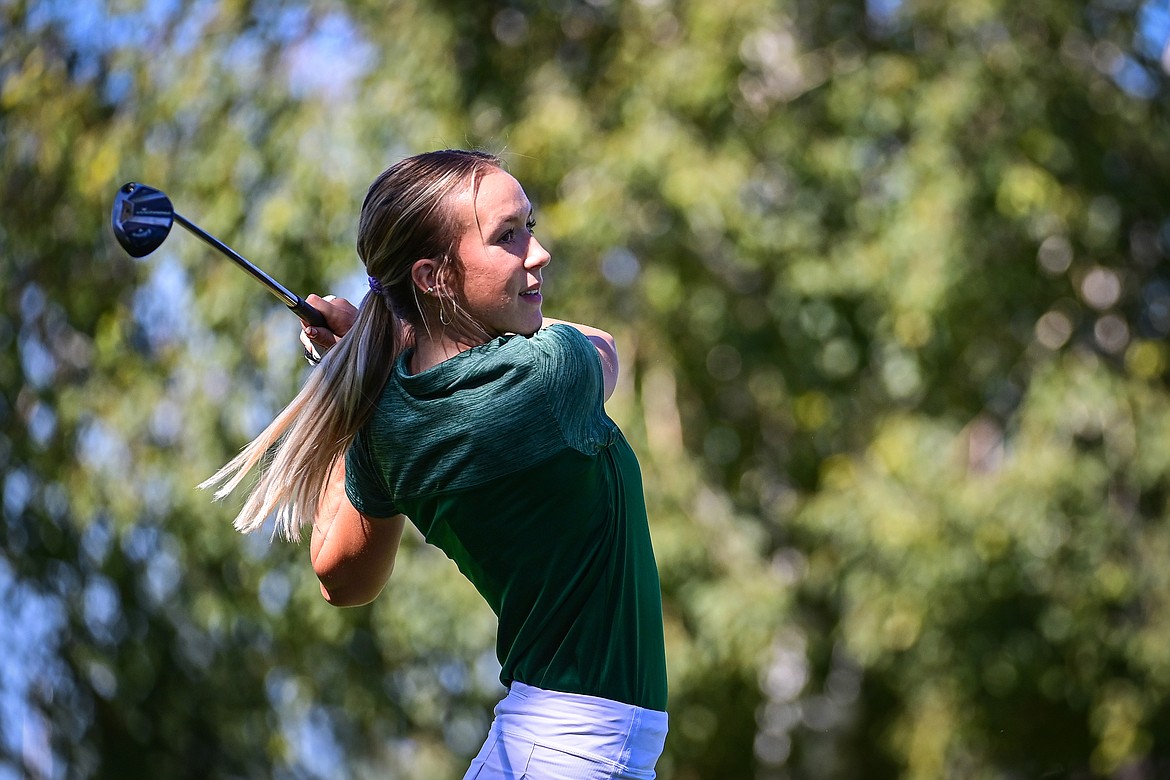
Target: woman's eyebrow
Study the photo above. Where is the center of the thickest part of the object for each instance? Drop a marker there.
(519, 215)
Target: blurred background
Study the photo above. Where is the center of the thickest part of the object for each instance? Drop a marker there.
(890, 284)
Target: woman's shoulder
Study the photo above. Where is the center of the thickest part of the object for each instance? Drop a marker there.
(552, 343)
(561, 337)
(556, 357)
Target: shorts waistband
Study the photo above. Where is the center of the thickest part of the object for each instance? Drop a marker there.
(623, 733)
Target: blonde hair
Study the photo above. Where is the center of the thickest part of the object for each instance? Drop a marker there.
(406, 216)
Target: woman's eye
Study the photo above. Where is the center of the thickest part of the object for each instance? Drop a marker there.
(510, 234)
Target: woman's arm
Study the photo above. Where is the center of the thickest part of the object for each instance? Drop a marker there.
(606, 349)
(352, 553)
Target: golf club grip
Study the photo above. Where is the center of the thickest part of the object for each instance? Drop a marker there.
(308, 314)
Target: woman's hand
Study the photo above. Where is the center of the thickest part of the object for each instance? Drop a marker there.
(339, 316)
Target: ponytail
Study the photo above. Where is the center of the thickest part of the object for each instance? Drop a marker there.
(296, 452)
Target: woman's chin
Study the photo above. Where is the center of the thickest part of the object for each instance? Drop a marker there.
(532, 327)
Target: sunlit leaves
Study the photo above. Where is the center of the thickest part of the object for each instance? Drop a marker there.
(986, 528)
(888, 283)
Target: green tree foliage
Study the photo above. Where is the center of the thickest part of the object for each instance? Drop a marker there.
(889, 283)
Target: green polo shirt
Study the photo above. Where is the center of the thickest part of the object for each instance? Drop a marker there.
(503, 458)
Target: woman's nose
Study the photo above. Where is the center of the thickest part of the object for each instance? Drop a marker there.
(538, 256)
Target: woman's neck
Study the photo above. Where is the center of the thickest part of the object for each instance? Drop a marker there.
(431, 350)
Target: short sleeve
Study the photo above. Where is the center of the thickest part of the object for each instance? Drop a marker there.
(570, 364)
(363, 484)
(574, 383)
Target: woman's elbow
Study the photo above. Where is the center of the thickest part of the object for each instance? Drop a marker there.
(339, 592)
(348, 582)
(354, 563)
(343, 598)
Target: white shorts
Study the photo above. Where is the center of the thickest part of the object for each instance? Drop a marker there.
(547, 735)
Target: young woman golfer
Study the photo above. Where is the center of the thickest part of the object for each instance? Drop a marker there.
(452, 402)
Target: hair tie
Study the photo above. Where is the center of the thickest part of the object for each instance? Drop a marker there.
(375, 285)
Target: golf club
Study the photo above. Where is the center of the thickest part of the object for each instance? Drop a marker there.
(142, 220)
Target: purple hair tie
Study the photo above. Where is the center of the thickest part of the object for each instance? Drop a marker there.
(375, 285)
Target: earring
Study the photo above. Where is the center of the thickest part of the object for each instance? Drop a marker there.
(430, 290)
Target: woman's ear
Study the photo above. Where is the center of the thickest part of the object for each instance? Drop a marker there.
(423, 274)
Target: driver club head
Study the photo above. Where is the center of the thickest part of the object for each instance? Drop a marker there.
(142, 218)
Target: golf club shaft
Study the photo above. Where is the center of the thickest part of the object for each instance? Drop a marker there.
(288, 298)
